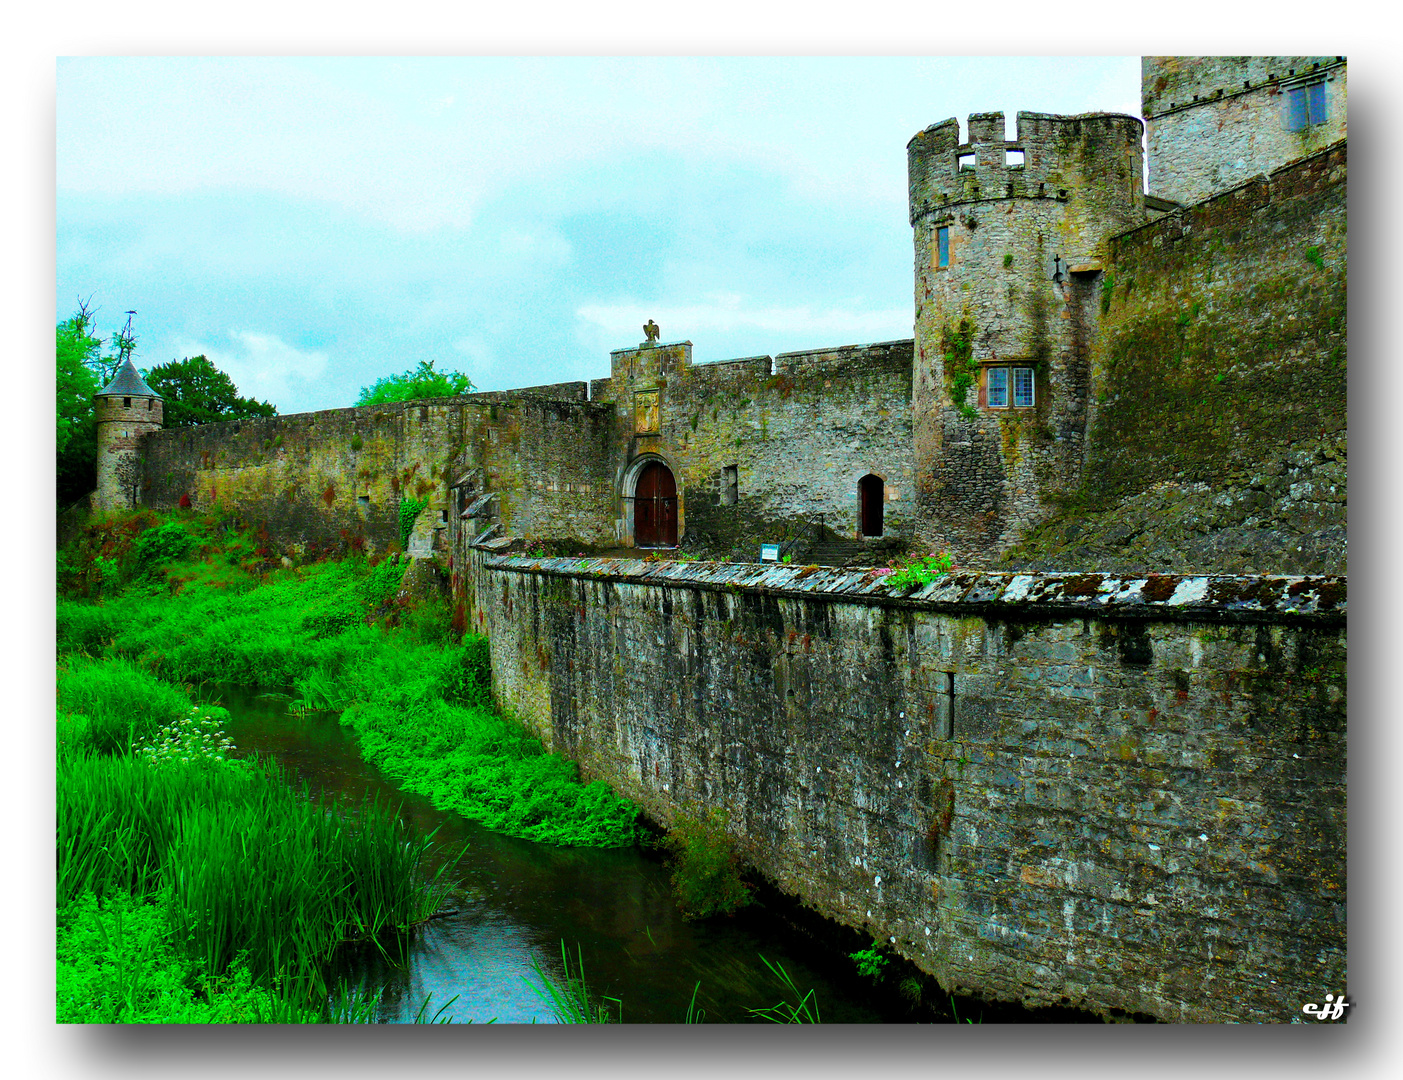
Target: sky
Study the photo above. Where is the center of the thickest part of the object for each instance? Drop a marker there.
(313, 224)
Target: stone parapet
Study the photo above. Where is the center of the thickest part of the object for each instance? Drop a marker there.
(1198, 597)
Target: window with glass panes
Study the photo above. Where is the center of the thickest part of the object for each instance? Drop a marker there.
(1305, 106)
(1006, 387)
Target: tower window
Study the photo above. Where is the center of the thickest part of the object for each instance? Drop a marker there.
(1013, 159)
(150, 404)
(942, 246)
(1305, 106)
(998, 388)
(1022, 388)
(1009, 386)
(126, 403)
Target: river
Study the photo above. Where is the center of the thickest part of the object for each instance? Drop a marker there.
(516, 900)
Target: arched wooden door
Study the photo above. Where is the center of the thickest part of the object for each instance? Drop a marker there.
(870, 492)
(655, 507)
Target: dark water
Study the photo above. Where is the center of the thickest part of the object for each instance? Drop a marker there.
(516, 901)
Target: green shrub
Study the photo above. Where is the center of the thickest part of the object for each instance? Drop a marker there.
(118, 964)
(158, 547)
(383, 582)
(706, 872)
(488, 768)
(409, 511)
(869, 961)
(921, 571)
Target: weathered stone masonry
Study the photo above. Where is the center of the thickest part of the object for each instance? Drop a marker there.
(1119, 794)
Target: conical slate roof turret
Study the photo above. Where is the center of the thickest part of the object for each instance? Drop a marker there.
(127, 383)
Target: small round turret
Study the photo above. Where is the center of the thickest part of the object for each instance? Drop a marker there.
(125, 409)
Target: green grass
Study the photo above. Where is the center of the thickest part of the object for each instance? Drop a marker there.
(571, 1001)
(107, 705)
(341, 636)
(794, 1007)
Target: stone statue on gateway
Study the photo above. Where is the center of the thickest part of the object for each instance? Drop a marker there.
(651, 329)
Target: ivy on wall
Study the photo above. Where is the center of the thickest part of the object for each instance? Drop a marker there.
(409, 511)
(957, 343)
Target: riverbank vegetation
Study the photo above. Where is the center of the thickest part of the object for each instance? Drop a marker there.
(195, 886)
(197, 602)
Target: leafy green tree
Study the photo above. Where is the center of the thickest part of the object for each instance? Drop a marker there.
(75, 351)
(82, 369)
(196, 392)
(420, 382)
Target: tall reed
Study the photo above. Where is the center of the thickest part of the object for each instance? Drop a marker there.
(247, 865)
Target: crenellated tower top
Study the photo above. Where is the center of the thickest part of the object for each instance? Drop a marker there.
(1052, 157)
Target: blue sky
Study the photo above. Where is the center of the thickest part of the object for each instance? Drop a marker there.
(312, 224)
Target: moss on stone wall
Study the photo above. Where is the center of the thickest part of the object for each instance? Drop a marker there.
(1226, 346)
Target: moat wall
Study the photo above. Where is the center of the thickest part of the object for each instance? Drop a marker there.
(1117, 794)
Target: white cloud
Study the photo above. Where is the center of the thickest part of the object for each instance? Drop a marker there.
(728, 312)
(265, 367)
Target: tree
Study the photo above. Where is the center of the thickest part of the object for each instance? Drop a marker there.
(196, 392)
(75, 384)
(420, 382)
(81, 370)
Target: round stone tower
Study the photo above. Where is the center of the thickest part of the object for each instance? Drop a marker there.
(1010, 240)
(126, 409)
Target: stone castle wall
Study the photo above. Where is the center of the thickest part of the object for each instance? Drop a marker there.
(1222, 357)
(1117, 794)
(799, 430)
(320, 481)
(1213, 122)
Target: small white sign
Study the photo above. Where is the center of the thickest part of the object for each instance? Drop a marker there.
(769, 553)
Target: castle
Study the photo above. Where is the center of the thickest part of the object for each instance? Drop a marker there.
(1077, 341)
(1119, 785)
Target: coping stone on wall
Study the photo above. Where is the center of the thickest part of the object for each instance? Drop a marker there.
(1255, 598)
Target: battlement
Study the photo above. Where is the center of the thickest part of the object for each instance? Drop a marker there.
(133, 410)
(1050, 158)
